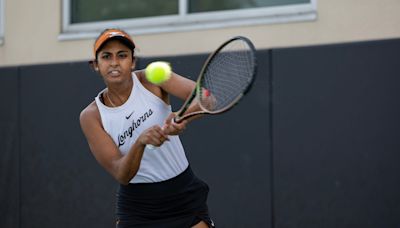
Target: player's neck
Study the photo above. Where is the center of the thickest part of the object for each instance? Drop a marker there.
(119, 94)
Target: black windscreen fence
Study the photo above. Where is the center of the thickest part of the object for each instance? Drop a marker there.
(315, 143)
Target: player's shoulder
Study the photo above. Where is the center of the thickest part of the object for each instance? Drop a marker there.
(140, 75)
(91, 112)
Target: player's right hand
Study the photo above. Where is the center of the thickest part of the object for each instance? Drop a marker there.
(153, 136)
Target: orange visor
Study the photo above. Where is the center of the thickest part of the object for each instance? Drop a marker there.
(112, 33)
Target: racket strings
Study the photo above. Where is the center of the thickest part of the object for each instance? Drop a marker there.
(228, 75)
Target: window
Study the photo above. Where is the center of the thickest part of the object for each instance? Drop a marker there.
(1, 22)
(83, 18)
(101, 10)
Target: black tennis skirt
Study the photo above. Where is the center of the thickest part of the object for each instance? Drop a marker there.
(180, 202)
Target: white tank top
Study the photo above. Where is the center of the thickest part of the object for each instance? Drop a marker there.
(125, 123)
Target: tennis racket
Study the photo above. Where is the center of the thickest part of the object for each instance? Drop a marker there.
(226, 76)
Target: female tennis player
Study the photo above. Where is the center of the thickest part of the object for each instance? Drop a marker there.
(157, 186)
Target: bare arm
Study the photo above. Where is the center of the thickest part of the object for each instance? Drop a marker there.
(182, 88)
(179, 87)
(122, 168)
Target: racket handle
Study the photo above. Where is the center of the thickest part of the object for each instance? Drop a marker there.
(150, 147)
(176, 119)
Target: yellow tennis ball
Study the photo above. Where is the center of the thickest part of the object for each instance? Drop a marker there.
(158, 72)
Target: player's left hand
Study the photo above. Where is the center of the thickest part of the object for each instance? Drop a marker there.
(171, 127)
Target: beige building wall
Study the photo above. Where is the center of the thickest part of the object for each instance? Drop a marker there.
(32, 28)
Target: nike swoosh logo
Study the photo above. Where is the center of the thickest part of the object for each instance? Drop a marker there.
(127, 117)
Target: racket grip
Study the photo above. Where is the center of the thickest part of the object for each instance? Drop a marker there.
(175, 119)
(150, 147)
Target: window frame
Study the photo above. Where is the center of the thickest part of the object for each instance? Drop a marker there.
(185, 21)
(2, 11)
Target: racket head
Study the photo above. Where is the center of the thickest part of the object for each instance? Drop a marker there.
(227, 75)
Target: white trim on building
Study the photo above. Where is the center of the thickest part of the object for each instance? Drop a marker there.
(189, 22)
